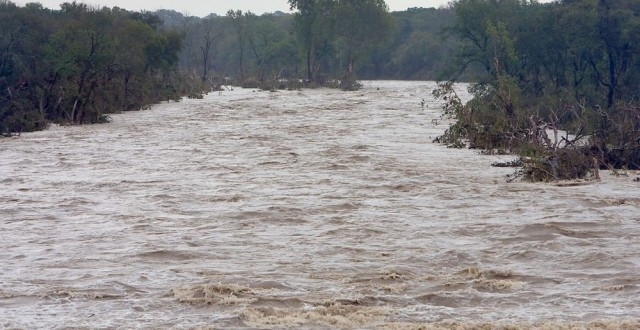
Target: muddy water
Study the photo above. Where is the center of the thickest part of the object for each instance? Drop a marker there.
(316, 209)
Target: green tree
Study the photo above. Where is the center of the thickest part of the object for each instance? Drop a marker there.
(359, 26)
(267, 42)
(240, 23)
(313, 28)
(24, 90)
(210, 32)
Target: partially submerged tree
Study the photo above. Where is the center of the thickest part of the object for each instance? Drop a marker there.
(360, 26)
(241, 23)
(313, 30)
(210, 32)
(352, 28)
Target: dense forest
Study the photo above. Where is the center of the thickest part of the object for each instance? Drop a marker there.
(554, 82)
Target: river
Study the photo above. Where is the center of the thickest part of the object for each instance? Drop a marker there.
(302, 209)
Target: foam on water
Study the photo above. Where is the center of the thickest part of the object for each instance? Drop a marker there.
(315, 209)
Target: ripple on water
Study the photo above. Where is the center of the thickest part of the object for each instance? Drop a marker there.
(313, 209)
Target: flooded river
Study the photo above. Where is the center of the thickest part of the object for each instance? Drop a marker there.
(302, 209)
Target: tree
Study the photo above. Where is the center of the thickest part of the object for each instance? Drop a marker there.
(360, 25)
(353, 27)
(23, 95)
(313, 29)
(210, 32)
(267, 42)
(239, 21)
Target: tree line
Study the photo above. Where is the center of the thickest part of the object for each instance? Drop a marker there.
(80, 63)
(324, 40)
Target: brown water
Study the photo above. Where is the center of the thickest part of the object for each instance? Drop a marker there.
(318, 208)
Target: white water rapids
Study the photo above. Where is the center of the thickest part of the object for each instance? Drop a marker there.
(314, 208)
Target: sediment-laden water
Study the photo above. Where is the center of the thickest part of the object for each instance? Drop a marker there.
(307, 209)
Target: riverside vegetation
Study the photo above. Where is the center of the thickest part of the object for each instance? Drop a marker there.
(77, 64)
(556, 83)
(560, 84)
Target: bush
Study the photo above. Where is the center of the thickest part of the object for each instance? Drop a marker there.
(495, 122)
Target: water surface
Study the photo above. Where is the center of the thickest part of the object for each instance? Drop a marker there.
(315, 208)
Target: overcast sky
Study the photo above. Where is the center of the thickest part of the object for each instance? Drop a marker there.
(205, 7)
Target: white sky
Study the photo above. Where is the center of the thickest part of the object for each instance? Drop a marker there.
(205, 7)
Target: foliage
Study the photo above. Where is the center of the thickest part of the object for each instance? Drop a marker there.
(348, 28)
(316, 43)
(76, 64)
(566, 69)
